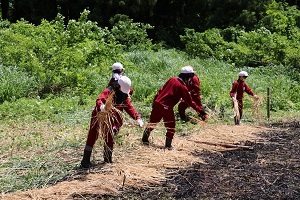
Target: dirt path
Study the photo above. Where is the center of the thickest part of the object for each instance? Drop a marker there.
(140, 171)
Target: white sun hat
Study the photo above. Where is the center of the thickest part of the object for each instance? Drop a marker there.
(125, 84)
(187, 70)
(243, 73)
(117, 65)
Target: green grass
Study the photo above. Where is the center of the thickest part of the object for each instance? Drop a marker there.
(43, 138)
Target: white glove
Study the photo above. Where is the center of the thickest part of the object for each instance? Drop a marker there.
(116, 76)
(233, 98)
(141, 123)
(102, 107)
(255, 96)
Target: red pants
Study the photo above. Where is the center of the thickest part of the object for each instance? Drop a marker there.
(167, 114)
(240, 105)
(108, 136)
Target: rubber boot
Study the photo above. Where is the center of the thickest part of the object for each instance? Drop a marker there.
(169, 143)
(115, 131)
(107, 154)
(184, 119)
(236, 121)
(145, 138)
(86, 163)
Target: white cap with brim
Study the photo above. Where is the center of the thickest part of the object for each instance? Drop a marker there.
(125, 84)
(117, 65)
(187, 70)
(243, 73)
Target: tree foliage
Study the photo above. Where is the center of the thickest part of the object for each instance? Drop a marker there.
(68, 57)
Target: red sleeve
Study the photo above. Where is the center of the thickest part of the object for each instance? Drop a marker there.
(234, 89)
(248, 90)
(195, 91)
(130, 109)
(194, 88)
(188, 99)
(102, 97)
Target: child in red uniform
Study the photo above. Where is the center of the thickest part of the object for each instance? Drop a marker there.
(237, 93)
(121, 102)
(117, 73)
(165, 100)
(194, 89)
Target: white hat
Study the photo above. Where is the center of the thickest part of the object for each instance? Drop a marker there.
(125, 84)
(243, 73)
(117, 65)
(187, 70)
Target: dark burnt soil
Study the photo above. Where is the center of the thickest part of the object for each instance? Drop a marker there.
(270, 171)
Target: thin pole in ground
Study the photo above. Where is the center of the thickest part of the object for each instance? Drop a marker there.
(268, 103)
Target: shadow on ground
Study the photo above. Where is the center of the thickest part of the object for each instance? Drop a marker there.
(270, 171)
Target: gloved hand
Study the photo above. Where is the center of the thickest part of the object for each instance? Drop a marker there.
(203, 115)
(233, 98)
(102, 107)
(202, 112)
(255, 96)
(140, 121)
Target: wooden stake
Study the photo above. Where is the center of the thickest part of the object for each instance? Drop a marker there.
(268, 103)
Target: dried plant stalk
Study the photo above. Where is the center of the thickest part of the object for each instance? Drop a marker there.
(236, 109)
(106, 118)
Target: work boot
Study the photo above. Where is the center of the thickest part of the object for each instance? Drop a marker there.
(115, 131)
(184, 119)
(169, 143)
(107, 154)
(236, 121)
(86, 163)
(145, 138)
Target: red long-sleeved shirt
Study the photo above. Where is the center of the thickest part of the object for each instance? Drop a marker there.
(238, 88)
(172, 91)
(125, 105)
(194, 89)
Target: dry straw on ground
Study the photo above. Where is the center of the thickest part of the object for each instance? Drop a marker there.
(138, 166)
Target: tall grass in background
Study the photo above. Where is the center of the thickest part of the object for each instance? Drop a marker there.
(151, 69)
(14, 83)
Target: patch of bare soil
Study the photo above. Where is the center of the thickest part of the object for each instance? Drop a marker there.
(212, 162)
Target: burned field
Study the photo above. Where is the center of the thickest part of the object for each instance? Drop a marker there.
(270, 171)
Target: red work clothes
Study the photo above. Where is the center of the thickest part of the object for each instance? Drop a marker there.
(165, 100)
(117, 120)
(194, 89)
(237, 91)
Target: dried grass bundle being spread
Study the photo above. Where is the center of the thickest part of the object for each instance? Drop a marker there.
(256, 104)
(106, 117)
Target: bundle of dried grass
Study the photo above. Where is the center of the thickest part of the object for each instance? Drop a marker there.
(256, 104)
(236, 110)
(105, 118)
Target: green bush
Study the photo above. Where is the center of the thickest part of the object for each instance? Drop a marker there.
(132, 35)
(68, 58)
